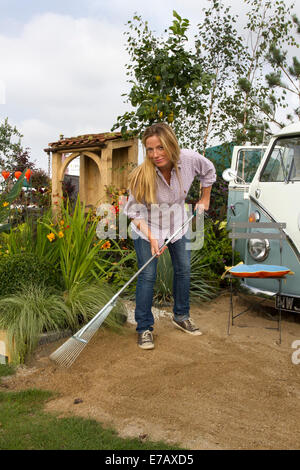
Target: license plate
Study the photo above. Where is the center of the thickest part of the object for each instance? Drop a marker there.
(291, 304)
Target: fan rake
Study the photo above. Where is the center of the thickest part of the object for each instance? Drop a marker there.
(68, 352)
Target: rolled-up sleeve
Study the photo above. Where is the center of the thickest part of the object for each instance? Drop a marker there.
(204, 169)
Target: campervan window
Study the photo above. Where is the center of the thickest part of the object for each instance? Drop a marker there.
(283, 163)
(247, 163)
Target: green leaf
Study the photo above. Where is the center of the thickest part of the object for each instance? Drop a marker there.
(175, 14)
(16, 189)
(5, 227)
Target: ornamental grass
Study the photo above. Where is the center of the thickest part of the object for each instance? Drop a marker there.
(29, 312)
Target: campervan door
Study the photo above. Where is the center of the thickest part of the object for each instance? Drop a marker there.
(274, 196)
(245, 161)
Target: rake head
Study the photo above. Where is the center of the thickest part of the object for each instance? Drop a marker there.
(68, 352)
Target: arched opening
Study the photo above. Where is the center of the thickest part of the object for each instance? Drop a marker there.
(90, 181)
(103, 160)
(80, 174)
(71, 176)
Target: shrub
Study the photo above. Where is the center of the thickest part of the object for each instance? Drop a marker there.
(218, 200)
(217, 250)
(14, 269)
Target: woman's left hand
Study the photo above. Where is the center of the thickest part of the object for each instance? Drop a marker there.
(202, 205)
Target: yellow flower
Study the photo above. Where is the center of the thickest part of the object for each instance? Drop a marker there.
(161, 114)
(5, 204)
(222, 225)
(51, 237)
(60, 234)
(158, 78)
(62, 222)
(168, 98)
(171, 117)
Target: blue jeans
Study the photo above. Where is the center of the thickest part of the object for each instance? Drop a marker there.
(146, 279)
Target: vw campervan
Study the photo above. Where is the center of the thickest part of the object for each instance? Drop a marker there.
(265, 186)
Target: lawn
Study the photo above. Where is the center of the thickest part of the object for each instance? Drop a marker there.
(25, 426)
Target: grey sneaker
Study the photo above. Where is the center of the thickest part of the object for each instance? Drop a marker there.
(145, 340)
(188, 326)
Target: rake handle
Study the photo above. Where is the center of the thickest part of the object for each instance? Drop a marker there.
(108, 307)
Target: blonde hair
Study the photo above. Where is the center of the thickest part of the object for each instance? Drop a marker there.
(143, 180)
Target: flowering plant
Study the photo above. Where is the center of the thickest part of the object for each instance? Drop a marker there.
(73, 236)
(7, 197)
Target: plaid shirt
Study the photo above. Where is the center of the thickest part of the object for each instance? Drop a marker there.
(165, 217)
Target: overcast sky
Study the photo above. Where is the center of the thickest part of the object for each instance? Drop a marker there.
(63, 62)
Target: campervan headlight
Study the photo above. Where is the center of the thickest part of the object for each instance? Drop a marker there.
(258, 249)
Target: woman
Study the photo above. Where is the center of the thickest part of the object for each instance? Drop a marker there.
(158, 188)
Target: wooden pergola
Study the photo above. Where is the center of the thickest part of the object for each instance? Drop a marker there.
(105, 159)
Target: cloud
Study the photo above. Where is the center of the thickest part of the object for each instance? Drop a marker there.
(38, 133)
(64, 75)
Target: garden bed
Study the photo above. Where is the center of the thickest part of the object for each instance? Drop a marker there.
(209, 392)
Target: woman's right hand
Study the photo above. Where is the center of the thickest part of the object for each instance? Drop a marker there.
(155, 248)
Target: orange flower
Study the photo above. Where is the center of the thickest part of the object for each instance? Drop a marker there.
(28, 174)
(106, 245)
(5, 174)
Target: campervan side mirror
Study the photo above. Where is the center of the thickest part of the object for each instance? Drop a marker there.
(231, 175)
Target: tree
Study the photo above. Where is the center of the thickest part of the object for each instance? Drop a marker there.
(225, 87)
(269, 30)
(288, 70)
(13, 157)
(164, 74)
(10, 144)
(21, 161)
(220, 50)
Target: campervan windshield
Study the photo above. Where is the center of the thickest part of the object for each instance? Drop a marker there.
(283, 164)
(248, 160)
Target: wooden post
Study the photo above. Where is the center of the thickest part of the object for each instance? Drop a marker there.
(82, 179)
(56, 183)
(5, 352)
(106, 164)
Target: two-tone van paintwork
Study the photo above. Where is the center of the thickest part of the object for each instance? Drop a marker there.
(270, 194)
